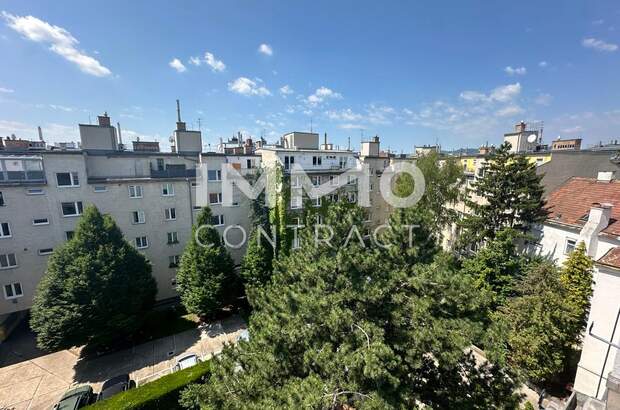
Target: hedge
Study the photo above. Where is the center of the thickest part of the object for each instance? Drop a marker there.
(161, 394)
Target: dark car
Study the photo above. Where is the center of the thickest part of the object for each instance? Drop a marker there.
(76, 398)
(115, 385)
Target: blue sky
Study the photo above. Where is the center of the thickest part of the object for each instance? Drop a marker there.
(460, 73)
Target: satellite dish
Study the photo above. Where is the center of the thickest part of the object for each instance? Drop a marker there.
(532, 138)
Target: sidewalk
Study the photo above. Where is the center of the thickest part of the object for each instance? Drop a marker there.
(38, 382)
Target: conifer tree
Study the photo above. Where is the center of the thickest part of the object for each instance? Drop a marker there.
(96, 289)
(206, 281)
(576, 276)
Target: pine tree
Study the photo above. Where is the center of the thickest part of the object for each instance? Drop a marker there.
(206, 281)
(96, 289)
(340, 327)
(497, 267)
(532, 333)
(576, 276)
(511, 197)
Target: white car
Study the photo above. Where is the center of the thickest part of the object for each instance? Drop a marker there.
(185, 362)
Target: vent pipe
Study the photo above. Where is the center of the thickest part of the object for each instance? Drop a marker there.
(40, 134)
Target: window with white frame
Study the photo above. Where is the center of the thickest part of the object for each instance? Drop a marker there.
(174, 261)
(135, 191)
(5, 230)
(35, 191)
(69, 235)
(351, 179)
(72, 208)
(142, 242)
(296, 181)
(333, 180)
(8, 261)
(167, 189)
(316, 201)
(100, 188)
(214, 175)
(46, 251)
(570, 245)
(173, 238)
(319, 219)
(317, 160)
(13, 290)
(352, 196)
(295, 202)
(217, 220)
(40, 221)
(215, 198)
(2, 203)
(137, 217)
(316, 180)
(171, 214)
(67, 179)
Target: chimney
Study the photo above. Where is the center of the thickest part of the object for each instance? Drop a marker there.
(605, 176)
(520, 127)
(598, 219)
(325, 139)
(180, 124)
(40, 134)
(104, 120)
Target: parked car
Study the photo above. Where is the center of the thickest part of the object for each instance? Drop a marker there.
(76, 398)
(186, 361)
(115, 385)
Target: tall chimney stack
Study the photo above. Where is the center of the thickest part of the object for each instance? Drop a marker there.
(120, 136)
(40, 134)
(180, 124)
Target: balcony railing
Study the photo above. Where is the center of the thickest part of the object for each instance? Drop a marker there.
(26, 177)
(173, 172)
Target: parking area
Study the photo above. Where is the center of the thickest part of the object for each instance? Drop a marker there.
(31, 381)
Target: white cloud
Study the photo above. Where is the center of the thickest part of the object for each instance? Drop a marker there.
(177, 65)
(62, 108)
(215, 64)
(245, 86)
(543, 99)
(60, 41)
(573, 130)
(265, 49)
(543, 64)
(195, 61)
(321, 94)
(52, 132)
(473, 96)
(509, 111)
(351, 126)
(6, 90)
(598, 45)
(502, 93)
(344, 115)
(286, 90)
(515, 71)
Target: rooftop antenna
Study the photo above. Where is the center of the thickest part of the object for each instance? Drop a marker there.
(310, 124)
(199, 124)
(349, 143)
(178, 111)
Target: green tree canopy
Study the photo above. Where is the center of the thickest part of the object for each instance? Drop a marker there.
(576, 276)
(338, 325)
(96, 289)
(509, 195)
(206, 280)
(532, 333)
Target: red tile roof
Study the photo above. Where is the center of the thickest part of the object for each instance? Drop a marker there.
(571, 202)
(611, 258)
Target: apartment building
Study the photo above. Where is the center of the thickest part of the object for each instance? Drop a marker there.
(150, 194)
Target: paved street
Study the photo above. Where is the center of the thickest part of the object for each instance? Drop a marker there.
(29, 380)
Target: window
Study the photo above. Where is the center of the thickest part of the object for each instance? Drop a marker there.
(40, 221)
(343, 162)
(215, 198)
(316, 202)
(316, 180)
(167, 190)
(67, 179)
(135, 191)
(352, 197)
(13, 290)
(173, 238)
(138, 217)
(570, 246)
(46, 251)
(72, 208)
(288, 161)
(316, 160)
(69, 235)
(35, 191)
(2, 200)
(171, 214)
(249, 164)
(319, 219)
(101, 188)
(174, 261)
(160, 164)
(296, 182)
(333, 180)
(351, 179)
(5, 230)
(217, 220)
(8, 261)
(214, 175)
(295, 202)
(142, 242)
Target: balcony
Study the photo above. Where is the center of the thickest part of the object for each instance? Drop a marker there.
(20, 170)
(173, 171)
